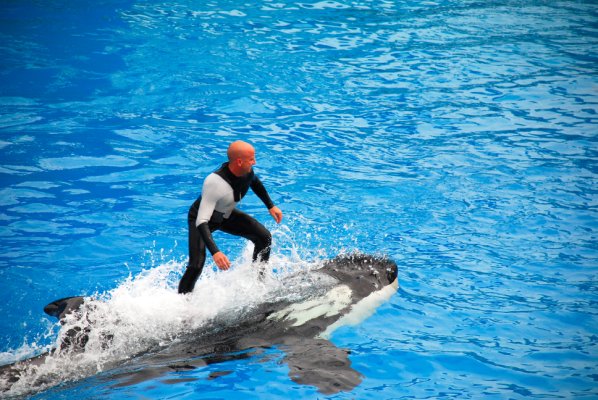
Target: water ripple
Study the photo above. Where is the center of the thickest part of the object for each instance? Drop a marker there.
(457, 137)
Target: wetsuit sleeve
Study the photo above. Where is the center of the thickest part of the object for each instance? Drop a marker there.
(206, 235)
(209, 197)
(258, 188)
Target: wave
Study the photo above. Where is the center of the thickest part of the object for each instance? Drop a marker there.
(144, 314)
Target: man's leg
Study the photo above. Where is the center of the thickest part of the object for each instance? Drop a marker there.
(244, 225)
(197, 258)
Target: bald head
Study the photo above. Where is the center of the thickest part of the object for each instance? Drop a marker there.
(239, 149)
(241, 157)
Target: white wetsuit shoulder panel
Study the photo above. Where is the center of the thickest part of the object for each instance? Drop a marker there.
(216, 195)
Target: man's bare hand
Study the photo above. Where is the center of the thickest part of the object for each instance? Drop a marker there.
(276, 214)
(221, 261)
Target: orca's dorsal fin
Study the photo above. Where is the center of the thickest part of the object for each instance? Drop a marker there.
(60, 308)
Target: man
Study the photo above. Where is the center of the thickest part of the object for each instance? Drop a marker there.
(215, 209)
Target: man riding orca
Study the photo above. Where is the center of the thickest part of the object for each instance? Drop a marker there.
(350, 286)
(215, 209)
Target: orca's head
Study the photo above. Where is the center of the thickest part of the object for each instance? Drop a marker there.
(364, 274)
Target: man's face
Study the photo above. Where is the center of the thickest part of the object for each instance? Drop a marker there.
(247, 161)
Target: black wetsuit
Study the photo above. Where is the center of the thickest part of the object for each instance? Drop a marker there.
(221, 192)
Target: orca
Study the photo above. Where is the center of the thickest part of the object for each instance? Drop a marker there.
(356, 285)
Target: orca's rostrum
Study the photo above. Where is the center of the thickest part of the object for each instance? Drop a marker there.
(356, 285)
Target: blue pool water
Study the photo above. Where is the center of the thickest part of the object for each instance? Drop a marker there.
(458, 138)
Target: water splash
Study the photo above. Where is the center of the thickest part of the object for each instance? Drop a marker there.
(144, 313)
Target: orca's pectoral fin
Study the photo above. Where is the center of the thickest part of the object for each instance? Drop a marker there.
(62, 307)
(319, 363)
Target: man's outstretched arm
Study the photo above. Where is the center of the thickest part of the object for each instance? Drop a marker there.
(258, 188)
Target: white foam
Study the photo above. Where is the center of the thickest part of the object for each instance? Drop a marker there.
(145, 312)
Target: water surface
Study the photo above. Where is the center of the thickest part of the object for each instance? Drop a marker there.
(456, 137)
